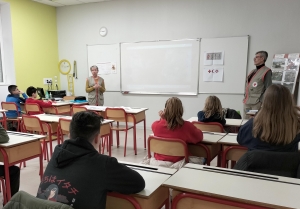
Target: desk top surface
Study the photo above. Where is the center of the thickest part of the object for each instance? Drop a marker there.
(67, 102)
(229, 139)
(244, 121)
(49, 118)
(18, 138)
(151, 168)
(229, 121)
(2, 110)
(212, 137)
(267, 189)
(154, 177)
(133, 110)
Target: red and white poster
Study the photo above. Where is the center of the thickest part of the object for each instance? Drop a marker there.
(213, 74)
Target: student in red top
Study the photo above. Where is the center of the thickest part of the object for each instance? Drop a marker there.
(172, 125)
(31, 92)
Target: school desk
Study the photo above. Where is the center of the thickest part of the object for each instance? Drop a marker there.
(135, 115)
(54, 119)
(208, 148)
(229, 121)
(231, 150)
(218, 186)
(62, 107)
(3, 119)
(154, 196)
(19, 148)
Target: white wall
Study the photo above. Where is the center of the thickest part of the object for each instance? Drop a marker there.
(273, 25)
(7, 47)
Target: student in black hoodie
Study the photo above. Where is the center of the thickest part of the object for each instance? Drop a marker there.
(79, 176)
(212, 111)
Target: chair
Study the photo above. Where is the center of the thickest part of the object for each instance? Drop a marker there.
(63, 129)
(119, 115)
(76, 109)
(209, 126)
(168, 146)
(117, 200)
(34, 124)
(199, 201)
(33, 107)
(25, 200)
(68, 98)
(232, 153)
(270, 162)
(209, 150)
(12, 107)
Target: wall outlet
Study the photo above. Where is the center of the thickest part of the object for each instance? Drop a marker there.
(47, 80)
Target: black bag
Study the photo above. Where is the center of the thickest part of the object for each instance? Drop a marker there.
(231, 113)
(80, 98)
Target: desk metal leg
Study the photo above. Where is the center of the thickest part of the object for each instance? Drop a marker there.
(145, 133)
(6, 174)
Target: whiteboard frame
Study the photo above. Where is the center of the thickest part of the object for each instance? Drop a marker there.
(247, 36)
(162, 93)
(119, 58)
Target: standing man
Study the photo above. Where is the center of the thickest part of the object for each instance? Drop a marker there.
(257, 82)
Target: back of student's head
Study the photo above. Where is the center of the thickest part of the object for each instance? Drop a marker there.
(85, 125)
(173, 113)
(277, 122)
(11, 88)
(212, 107)
(30, 90)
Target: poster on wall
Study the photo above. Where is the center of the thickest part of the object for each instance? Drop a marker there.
(106, 68)
(285, 69)
(214, 74)
(214, 58)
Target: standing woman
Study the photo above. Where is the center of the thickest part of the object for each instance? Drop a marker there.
(95, 87)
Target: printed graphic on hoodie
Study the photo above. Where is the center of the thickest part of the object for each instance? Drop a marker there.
(52, 192)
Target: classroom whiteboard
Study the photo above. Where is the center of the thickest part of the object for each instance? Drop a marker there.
(235, 64)
(105, 55)
(162, 67)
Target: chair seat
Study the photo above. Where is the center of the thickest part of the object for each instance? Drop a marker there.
(120, 127)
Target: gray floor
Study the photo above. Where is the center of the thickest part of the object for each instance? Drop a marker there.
(30, 178)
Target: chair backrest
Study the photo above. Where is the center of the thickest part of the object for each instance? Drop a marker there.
(9, 106)
(271, 162)
(116, 114)
(32, 123)
(76, 109)
(209, 126)
(33, 107)
(64, 125)
(25, 200)
(117, 200)
(167, 146)
(69, 98)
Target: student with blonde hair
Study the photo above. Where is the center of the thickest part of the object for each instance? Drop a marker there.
(172, 125)
(276, 126)
(212, 111)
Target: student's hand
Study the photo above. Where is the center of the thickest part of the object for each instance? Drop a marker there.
(21, 92)
(161, 114)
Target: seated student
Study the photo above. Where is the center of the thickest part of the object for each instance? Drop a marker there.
(79, 176)
(14, 96)
(212, 111)
(172, 125)
(276, 127)
(31, 92)
(14, 171)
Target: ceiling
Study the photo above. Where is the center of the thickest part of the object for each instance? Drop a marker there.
(61, 3)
